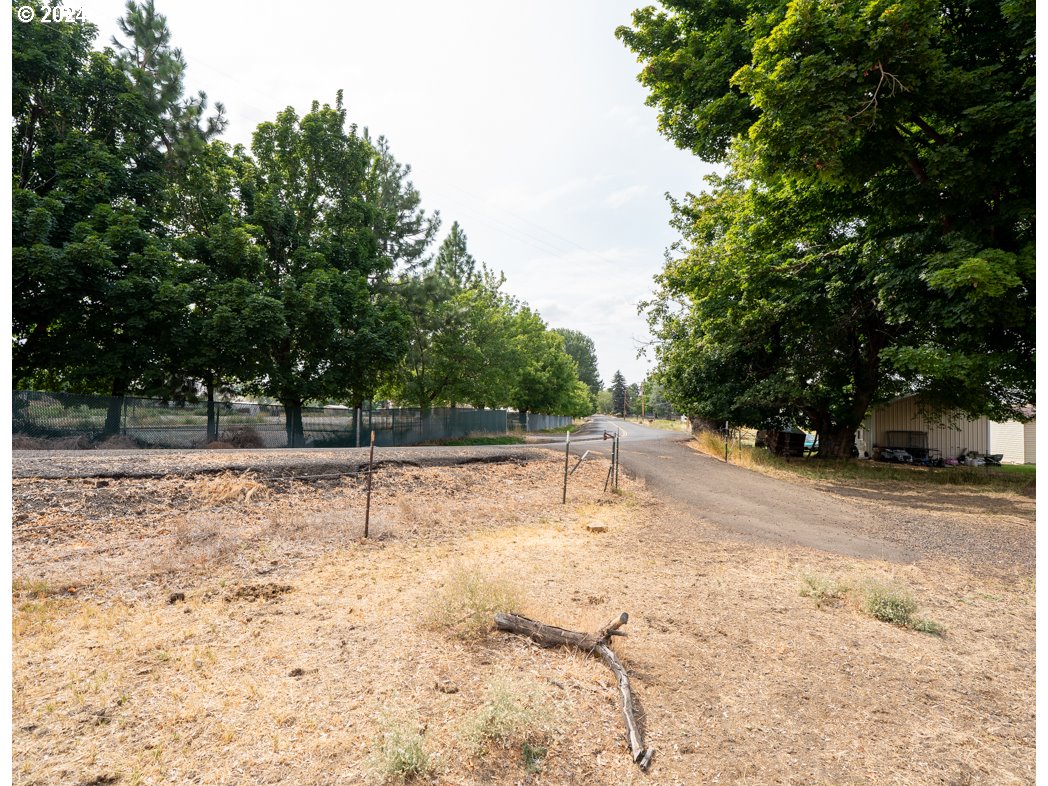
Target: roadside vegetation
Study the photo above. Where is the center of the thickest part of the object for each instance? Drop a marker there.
(839, 257)
(243, 271)
(667, 424)
(887, 601)
(1018, 478)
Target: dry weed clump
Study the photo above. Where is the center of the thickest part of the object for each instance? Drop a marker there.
(514, 716)
(887, 601)
(23, 442)
(822, 589)
(228, 488)
(196, 544)
(22, 587)
(244, 437)
(400, 752)
(117, 442)
(467, 605)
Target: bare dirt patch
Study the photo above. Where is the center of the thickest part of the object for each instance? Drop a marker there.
(300, 653)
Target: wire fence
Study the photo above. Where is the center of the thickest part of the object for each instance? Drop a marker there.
(66, 420)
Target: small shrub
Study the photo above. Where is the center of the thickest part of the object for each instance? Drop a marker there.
(894, 604)
(821, 589)
(534, 756)
(513, 716)
(889, 603)
(401, 754)
(469, 602)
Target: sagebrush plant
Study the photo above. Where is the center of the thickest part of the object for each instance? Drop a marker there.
(514, 715)
(469, 601)
(400, 753)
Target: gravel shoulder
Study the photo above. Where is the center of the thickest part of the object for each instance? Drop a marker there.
(271, 462)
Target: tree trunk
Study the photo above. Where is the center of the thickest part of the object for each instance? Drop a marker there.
(293, 424)
(212, 421)
(116, 407)
(836, 442)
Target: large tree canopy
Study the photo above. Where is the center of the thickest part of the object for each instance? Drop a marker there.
(875, 233)
(323, 263)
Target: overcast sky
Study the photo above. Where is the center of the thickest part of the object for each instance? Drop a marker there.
(524, 122)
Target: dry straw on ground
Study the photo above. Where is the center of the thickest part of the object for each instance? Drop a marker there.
(303, 654)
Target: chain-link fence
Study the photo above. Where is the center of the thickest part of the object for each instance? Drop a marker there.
(65, 420)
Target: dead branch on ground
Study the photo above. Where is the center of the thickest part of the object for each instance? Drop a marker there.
(595, 644)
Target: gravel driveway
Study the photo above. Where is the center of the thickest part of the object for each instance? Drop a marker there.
(985, 530)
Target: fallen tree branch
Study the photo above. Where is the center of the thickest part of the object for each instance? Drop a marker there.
(595, 644)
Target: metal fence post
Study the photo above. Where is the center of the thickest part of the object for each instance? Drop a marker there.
(567, 446)
(371, 462)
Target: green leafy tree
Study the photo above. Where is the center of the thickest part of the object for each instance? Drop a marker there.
(323, 265)
(900, 135)
(93, 291)
(633, 399)
(403, 230)
(230, 321)
(582, 351)
(460, 339)
(546, 376)
(655, 401)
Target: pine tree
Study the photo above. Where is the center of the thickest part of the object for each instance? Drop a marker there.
(158, 72)
(619, 394)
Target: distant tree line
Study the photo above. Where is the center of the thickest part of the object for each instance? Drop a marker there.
(647, 399)
(151, 257)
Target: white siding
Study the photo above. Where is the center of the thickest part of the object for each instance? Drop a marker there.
(950, 438)
(1007, 439)
(1030, 438)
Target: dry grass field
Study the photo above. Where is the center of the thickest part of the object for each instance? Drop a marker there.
(235, 629)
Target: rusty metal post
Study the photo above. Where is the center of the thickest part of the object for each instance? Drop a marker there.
(371, 462)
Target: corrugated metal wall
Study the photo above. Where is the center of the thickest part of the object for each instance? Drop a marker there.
(1030, 438)
(950, 439)
(1007, 439)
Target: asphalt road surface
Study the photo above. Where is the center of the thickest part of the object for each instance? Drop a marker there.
(738, 501)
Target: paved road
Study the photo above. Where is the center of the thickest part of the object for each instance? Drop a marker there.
(739, 501)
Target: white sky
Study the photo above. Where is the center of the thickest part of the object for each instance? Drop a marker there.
(523, 122)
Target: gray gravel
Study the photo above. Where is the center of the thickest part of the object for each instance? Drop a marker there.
(272, 463)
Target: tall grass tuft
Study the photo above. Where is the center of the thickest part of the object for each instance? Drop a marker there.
(400, 755)
(514, 716)
(469, 601)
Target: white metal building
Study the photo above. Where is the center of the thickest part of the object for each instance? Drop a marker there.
(892, 424)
